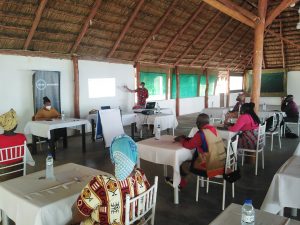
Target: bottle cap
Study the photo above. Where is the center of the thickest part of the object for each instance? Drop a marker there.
(49, 154)
(248, 201)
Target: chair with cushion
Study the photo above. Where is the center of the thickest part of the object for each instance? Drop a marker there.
(141, 208)
(260, 145)
(230, 166)
(275, 129)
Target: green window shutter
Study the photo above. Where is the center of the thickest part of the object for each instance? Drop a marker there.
(155, 83)
(188, 85)
(202, 85)
(212, 79)
(173, 94)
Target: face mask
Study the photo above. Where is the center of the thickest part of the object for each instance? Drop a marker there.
(140, 86)
(48, 107)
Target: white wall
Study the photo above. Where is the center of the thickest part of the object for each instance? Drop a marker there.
(124, 75)
(16, 84)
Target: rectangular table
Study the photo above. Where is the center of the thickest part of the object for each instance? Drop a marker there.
(166, 152)
(225, 134)
(29, 200)
(284, 189)
(166, 121)
(46, 129)
(232, 215)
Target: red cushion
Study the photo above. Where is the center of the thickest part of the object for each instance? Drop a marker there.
(9, 141)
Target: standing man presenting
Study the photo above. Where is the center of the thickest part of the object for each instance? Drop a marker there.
(142, 95)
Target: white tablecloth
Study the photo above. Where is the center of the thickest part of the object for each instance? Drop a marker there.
(267, 114)
(297, 151)
(29, 200)
(232, 215)
(43, 128)
(127, 118)
(165, 121)
(165, 151)
(285, 186)
(215, 112)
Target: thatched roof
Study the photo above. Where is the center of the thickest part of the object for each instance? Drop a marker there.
(170, 32)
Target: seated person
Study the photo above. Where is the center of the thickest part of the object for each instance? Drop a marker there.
(248, 122)
(103, 191)
(234, 113)
(290, 108)
(49, 113)
(209, 157)
(8, 122)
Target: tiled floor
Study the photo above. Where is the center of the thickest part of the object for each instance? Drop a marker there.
(188, 212)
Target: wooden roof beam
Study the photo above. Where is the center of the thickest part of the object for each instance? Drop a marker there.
(284, 39)
(223, 44)
(276, 11)
(126, 27)
(282, 47)
(181, 31)
(187, 50)
(211, 41)
(245, 12)
(243, 60)
(239, 54)
(86, 24)
(36, 21)
(155, 30)
(234, 13)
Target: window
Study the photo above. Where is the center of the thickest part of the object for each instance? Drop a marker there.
(102, 87)
(156, 84)
(236, 83)
(212, 79)
(188, 85)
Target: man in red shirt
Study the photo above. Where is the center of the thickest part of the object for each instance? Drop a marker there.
(142, 95)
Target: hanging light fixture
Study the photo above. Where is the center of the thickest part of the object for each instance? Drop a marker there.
(298, 24)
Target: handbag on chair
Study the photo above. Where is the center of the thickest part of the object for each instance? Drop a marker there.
(232, 176)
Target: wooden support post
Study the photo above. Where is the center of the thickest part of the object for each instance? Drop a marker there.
(198, 84)
(76, 87)
(138, 74)
(177, 91)
(258, 52)
(282, 47)
(228, 89)
(206, 89)
(167, 83)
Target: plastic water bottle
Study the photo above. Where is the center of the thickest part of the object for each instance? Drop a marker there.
(248, 213)
(49, 167)
(223, 118)
(157, 133)
(264, 107)
(62, 115)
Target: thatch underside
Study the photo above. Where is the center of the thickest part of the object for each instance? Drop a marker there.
(226, 44)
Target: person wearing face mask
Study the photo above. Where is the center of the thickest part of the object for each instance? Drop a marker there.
(47, 112)
(142, 95)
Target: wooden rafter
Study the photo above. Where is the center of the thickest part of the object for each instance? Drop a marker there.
(276, 11)
(181, 31)
(284, 39)
(36, 21)
(282, 47)
(243, 60)
(223, 44)
(86, 25)
(245, 12)
(239, 54)
(235, 46)
(250, 60)
(199, 36)
(126, 27)
(155, 30)
(211, 41)
(231, 12)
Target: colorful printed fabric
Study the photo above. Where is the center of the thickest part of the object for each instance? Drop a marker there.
(248, 139)
(142, 95)
(103, 199)
(124, 155)
(9, 120)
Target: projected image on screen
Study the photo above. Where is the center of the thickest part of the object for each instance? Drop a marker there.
(102, 87)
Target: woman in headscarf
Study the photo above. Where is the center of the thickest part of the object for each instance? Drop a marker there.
(103, 199)
(47, 112)
(8, 121)
(248, 122)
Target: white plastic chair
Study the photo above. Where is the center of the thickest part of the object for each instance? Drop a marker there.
(275, 129)
(17, 152)
(261, 140)
(111, 124)
(231, 164)
(144, 203)
(293, 123)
